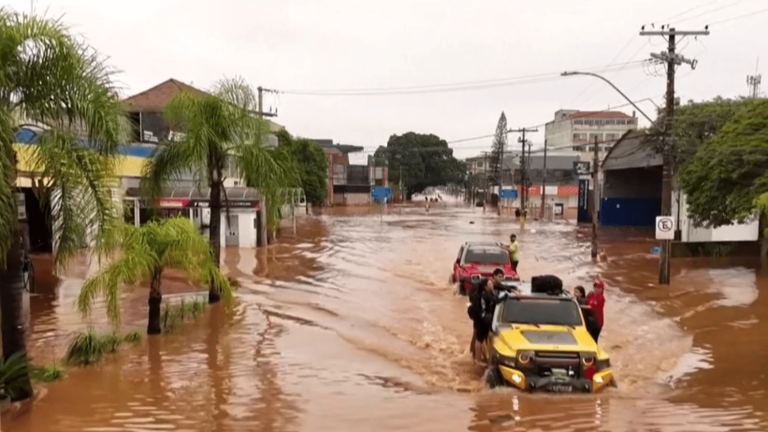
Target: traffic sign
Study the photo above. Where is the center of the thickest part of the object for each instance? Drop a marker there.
(509, 193)
(665, 228)
(381, 192)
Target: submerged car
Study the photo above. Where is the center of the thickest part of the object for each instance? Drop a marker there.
(539, 342)
(477, 260)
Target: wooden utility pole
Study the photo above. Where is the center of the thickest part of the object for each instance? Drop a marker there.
(523, 168)
(595, 196)
(544, 183)
(672, 60)
(260, 92)
(501, 171)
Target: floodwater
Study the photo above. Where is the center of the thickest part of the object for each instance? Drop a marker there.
(351, 325)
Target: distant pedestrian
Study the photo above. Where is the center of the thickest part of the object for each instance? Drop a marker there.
(514, 251)
(596, 302)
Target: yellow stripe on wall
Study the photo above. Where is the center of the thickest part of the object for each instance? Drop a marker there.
(127, 166)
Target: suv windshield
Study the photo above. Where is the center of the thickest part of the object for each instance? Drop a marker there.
(541, 311)
(486, 256)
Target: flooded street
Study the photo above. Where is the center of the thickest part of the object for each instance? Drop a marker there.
(352, 325)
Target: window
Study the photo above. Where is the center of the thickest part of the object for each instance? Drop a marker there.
(379, 173)
(611, 136)
(579, 137)
(609, 121)
(594, 136)
(479, 164)
(578, 122)
(486, 256)
(541, 311)
(578, 148)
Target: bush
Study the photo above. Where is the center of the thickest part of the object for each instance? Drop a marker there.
(87, 348)
(133, 336)
(173, 314)
(47, 374)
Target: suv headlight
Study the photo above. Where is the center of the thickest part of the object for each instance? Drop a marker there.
(506, 360)
(475, 277)
(588, 359)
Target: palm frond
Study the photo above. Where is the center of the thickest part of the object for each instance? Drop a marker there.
(8, 218)
(79, 180)
(132, 264)
(61, 81)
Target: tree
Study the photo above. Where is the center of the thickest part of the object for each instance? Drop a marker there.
(726, 176)
(696, 123)
(312, 165)
(220, 132)
(50, 77)
(142, 255)
(497, 150)
(425, 159)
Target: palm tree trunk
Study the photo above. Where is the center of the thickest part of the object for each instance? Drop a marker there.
(11, 307)
(155, 299)
(215, 234)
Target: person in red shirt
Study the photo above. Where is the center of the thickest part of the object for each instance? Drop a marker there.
(596, 302)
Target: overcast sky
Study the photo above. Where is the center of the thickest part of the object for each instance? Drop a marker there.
(322, 45)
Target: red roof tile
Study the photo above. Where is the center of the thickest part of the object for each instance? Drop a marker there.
(155, 98)
(600, 114)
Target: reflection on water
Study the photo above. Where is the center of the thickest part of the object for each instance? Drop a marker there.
(351, 323)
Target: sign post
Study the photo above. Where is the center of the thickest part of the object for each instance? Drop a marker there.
(665, 228)
(381, 193)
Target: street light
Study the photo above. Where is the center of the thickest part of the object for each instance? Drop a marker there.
(615, 88)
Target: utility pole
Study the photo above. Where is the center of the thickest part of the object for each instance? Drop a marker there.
(672, 60)
(753, 81)
(260, 91)
(544, 183)
(595, 200)
(501, 172)
(523, 167)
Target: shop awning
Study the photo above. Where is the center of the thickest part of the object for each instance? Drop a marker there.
(188, 196)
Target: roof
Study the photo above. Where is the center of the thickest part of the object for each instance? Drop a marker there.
(599, 114)
(482, 244)
(157, 97)
(632, 150)
(344, 148)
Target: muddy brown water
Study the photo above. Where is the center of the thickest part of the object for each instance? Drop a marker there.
(351, 325)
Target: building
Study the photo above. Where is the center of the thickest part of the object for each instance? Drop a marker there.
(631, 196)
(575, 130)
(145, 111)
(349, 184)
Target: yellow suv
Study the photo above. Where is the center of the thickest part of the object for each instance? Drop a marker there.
(539, 342)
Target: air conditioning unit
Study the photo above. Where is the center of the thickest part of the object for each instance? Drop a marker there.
(206, 216)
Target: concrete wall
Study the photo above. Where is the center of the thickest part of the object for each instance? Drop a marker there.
(746, 232)
(632, 183)
(352, 199)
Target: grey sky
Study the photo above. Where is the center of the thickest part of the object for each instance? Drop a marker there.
(348, 44)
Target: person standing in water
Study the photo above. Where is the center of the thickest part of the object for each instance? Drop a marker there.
(514, 251)
(596, 302)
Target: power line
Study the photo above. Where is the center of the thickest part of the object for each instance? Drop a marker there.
(740, 16)
(442, 88)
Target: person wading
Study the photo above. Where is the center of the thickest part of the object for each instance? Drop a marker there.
(596, 302)
(514, 251)
(480, 310)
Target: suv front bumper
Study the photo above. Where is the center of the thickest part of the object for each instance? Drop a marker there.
(533, 383)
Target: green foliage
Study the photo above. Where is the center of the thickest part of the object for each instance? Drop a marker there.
(111, 342)
(697, 122)
(147, 250)
(47, 374)
(173, 315)
(86, 348)
(133, 336)
(13, 373)
(49, 76)
(499, 144)
(727, 176)
(221, 134)
(426, 160)
(312, 165)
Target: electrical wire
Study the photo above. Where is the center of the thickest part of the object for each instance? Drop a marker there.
(444, 88)
(740, 16)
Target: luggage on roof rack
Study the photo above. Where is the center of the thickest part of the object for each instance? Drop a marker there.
(547, 284)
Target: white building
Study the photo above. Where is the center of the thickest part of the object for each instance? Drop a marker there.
(575, 130)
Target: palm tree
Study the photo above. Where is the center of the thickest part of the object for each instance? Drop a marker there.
(49, 77)
(142, 255)
(221, 131)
